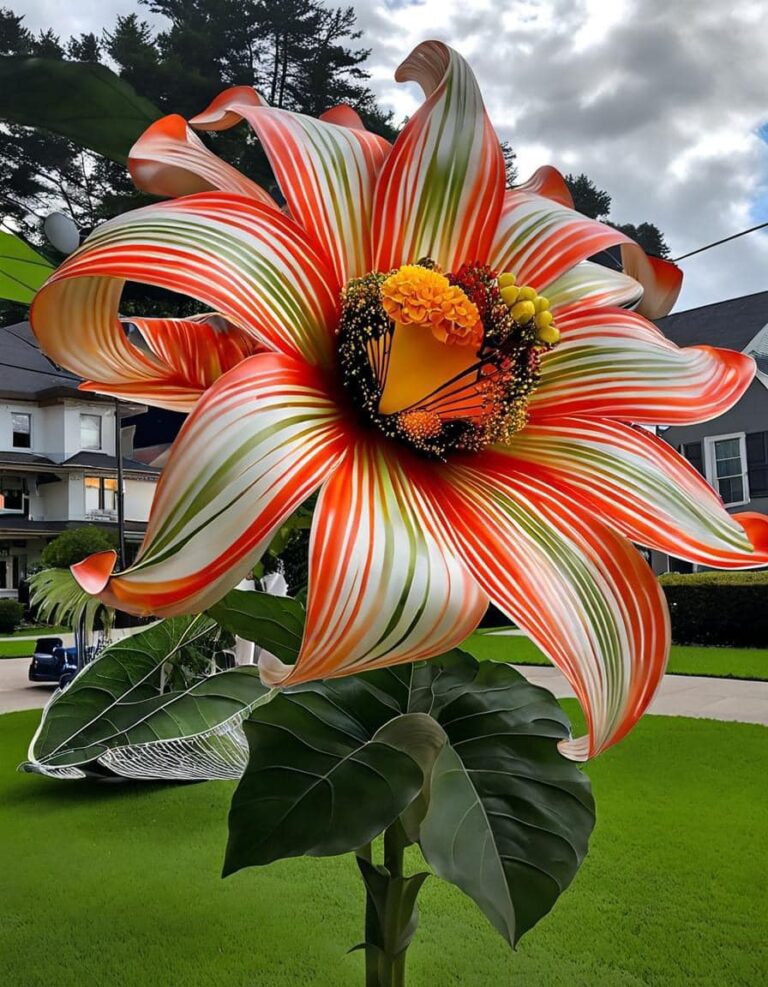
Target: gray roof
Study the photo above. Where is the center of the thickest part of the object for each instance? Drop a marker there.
(733, 323)
(14, 525)
(26, 373)
(97, 460)
(81, 460)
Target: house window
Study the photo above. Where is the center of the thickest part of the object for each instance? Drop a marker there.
(21, 426)
(100, 494)
(727, 467)
(90, 431)
(757, 463)
(13, 499)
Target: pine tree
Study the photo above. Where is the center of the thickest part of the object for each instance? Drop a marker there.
(588, 199)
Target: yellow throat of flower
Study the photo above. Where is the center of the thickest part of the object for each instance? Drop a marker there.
(428, 312)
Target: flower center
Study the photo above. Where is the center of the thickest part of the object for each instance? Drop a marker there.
(443, 362)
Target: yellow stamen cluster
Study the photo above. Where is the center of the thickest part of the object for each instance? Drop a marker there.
(525, 304)
(420, 425)
(421, 296)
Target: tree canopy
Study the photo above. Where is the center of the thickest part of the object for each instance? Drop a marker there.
(596, 203)
(303, 55)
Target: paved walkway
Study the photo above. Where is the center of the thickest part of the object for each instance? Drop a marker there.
(680, 695)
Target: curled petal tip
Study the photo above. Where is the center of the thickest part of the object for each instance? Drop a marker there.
(272, 671)
(662, 280)
(575, 749)
(343, 116)
(756, 527)
(548, 181)
(93, 573)
(222, 113)
(426, 64)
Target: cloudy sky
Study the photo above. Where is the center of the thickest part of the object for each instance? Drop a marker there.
(664, 103)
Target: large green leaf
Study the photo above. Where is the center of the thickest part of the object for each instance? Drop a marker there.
(465, 755)
(22, 269)
(320, 780)
(275, 623)
(83, 101)
(509, 817)
(117, 703)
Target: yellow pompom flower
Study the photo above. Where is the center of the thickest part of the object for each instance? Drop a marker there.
(416, 295)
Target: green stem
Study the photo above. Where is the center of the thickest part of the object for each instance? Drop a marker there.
(388, 911)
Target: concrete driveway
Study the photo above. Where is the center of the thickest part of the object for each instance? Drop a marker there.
(16, 691)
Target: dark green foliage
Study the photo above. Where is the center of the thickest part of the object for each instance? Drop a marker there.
(275, 623)
(74, 545)
(648, 235)
(11, 613)
(318, 780)
(510, 163)
(468, 756)
(718, 608)
(588, 199)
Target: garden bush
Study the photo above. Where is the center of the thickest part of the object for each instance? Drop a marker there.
(718, 608)
(74, 545)
(11, 613)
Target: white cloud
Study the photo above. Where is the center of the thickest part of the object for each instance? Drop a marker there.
(659, 101)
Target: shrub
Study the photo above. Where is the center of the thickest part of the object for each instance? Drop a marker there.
(74, 545)
(11, 613)
(718, 608)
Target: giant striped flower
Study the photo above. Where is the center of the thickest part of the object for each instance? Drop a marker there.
(436, 355)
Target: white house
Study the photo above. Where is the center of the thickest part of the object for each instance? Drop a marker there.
(57, 459)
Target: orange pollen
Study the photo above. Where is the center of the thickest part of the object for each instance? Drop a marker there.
(419, 425)
(419, 296)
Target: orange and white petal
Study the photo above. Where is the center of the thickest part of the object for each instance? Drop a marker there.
(344, 116)
(258, 443)
(590, 285)
(539, 239)
(384, 588)
(440, 191)
(194, 352)
(615, 364)
(548, 181)
(326, 172)
(638, 485)
(661, 279)
(237, 256)
(581, 591)
(169, 159)
(224, 111)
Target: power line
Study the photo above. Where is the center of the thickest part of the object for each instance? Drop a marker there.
(716, 243)
(45, 373)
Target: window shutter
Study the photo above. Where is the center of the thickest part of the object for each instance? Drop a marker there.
(693, 452)
(757, 463)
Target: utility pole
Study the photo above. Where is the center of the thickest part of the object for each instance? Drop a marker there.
(120, 494)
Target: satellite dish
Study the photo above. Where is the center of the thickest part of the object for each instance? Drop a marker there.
(61, 232)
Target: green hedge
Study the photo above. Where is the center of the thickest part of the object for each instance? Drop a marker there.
(11, 613)
(718, 608)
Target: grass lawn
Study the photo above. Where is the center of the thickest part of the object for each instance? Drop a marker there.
(13, 645)
(737, 663)
(39, 630)
(16, 649)
(117, 884)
